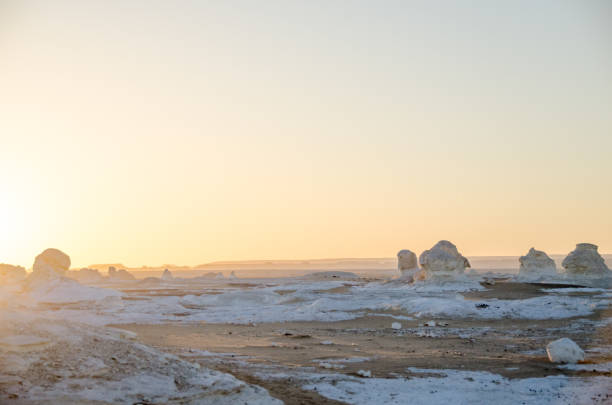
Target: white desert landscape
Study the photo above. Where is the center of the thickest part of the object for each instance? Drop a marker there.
(305, 202)
(447, 333)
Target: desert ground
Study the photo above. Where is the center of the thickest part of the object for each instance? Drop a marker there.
(324, 337)
(512, 348)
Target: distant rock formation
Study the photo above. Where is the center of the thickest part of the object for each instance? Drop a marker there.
(86, 275)
(443, 260)
(585, 261)
(167, 276)
(407, 264)
(232, 276)
(536, 263)
(119, 275)
(51, 263)
(11, 274)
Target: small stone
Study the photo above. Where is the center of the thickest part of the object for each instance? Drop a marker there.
(564, 350)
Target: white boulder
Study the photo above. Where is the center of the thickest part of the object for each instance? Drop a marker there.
(443, 260)
(167, 276)
(585, 261)
(564, 350)
(536, 263)
(51, 263)
(407, 264)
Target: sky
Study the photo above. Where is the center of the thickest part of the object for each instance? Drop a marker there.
(151, 132)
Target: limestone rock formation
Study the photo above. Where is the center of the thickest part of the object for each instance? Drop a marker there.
(585, 261)
(86, 275)
(407, 264)
(564, 350)
(536, 263)
(11, 274)
(119, 275)
(167, 276)
(443, 260)
(51, 263)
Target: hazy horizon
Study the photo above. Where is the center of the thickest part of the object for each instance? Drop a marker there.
(151, 132)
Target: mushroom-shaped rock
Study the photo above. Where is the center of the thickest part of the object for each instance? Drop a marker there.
(10, 273)
(167, 276)
(51, 263)
(407, 264)
(585, 261)
(536, 263)
(564, 350)
(443, 260)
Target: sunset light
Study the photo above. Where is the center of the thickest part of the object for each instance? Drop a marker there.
(305, 202)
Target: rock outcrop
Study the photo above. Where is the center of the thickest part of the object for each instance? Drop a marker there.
(11, 274)
(52, 263)
(119, 275)
(536, 263)
(443, 260)
(407, 264)
(86, 275)
(585, 261)
(167, 276)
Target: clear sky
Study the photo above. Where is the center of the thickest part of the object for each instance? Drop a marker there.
(150, 132)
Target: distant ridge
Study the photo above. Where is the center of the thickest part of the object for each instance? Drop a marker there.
(383, 263)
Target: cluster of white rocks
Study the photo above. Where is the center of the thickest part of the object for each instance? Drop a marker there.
(442, 261)
(583, 263)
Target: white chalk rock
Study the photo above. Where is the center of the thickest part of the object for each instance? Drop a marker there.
(536, 263)
(396, 325)
(51, 263)
(443, 260)
(232, 276)
(585, 261)
(564, 350)
(407, 264)
(11, 274)
(167, 276)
